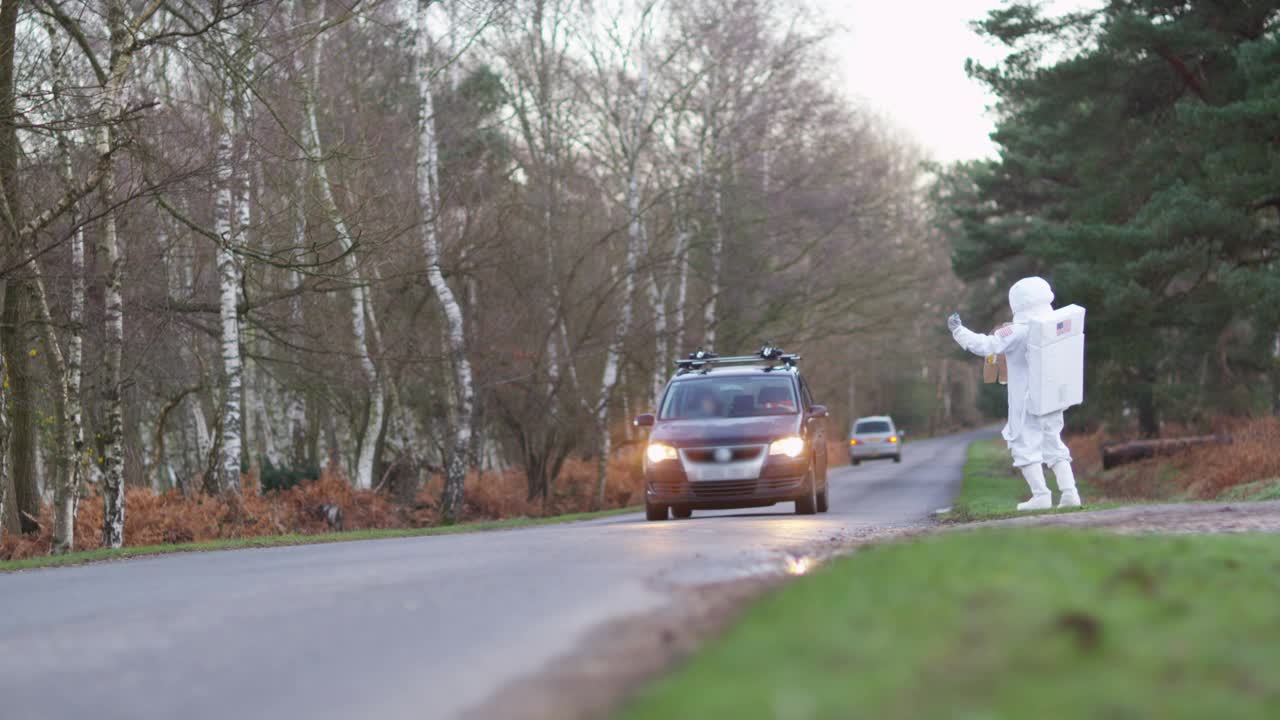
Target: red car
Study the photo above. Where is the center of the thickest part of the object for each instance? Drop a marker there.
(735, 432)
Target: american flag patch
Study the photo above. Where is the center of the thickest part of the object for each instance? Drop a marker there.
(1064, 327)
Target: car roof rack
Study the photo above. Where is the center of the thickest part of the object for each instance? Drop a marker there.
(769, 356)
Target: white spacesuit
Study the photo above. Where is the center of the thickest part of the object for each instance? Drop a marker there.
(1035, 440)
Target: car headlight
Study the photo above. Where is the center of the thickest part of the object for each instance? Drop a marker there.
(657, 452)
(789, 446)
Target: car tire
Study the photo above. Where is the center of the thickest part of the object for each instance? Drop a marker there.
(897, 458)
(855, 462)
(654, 513)
(808, 504)
(681, 513)
(822, 499)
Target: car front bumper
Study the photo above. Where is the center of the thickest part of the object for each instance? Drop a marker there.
(873, 452)
(778, 481)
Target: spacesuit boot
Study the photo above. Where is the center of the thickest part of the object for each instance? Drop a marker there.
(1041, 498)
(1066, 485)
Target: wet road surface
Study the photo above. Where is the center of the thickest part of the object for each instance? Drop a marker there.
(400, 628)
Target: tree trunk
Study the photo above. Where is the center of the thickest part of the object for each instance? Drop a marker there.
(709, 317)
(682, 288)
(1148, 419)
(65, 488)
(361, 307)
(8, 519)
(635, 236)
(658, 299)
(227, 478)
(66, 494)
(16, 314)
(428, 202)
(8, 229)
(15, 338)
(1116, 454)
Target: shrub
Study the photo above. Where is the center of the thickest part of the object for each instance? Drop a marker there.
(274, 479)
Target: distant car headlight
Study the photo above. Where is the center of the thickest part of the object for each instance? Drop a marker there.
(789, 446)
(893, 438)
(657, 452)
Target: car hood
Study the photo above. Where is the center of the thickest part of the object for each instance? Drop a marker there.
(725, 431)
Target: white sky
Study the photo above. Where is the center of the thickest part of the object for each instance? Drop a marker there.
(905, 58)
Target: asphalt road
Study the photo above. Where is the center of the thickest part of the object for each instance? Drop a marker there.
(403, 628)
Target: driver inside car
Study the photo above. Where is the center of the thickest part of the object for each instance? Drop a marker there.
(704, 404)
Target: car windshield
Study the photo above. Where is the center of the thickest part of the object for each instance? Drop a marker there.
(732, 396)
(871, 426)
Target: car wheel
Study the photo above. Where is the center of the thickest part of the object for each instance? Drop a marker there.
(682, 513)
(653, 513)
(897, 458)
(855, 462)
(822, 499)
(808, 505)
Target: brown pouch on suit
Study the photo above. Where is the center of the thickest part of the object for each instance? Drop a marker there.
(995, 368)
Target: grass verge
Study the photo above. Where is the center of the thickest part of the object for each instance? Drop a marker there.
(1259, 490)
(88, 556)
(992, 488)
(1003, 624)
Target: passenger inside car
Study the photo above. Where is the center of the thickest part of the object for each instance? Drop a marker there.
(776, 400)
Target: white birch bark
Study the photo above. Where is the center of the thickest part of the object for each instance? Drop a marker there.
(658, 301)
(635, 230)
(228, 466)
(709, 318)
(71, 437)
(711, 128)
(182, 275)
(682, 282)
(427, 167)
(362, 311)
(112, 462)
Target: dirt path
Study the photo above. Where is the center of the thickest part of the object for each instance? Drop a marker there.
(1166, 518)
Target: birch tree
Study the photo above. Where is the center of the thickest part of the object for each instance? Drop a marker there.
(363, 319)
(427, 166)
(67, 484)
(626, 129)
(112, 461)
(229, 275)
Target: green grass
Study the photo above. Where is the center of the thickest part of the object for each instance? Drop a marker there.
(1259, 490)
(992, 488)
(1003, 623)
(89, 556)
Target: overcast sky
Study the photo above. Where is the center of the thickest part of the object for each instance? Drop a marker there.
(906, 59)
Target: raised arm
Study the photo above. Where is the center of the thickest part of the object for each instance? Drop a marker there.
(1007, 338)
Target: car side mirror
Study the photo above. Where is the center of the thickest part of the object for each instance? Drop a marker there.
(645, 420)
(818, 411)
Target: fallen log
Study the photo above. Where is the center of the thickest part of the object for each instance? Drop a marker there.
(1116, 454)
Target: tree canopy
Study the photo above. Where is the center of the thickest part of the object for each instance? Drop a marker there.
(1139, 171)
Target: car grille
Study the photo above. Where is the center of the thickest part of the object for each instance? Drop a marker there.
(736, 488)
(707, 455)
(724, 488)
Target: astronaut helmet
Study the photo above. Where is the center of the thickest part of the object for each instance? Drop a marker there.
(1030, 297)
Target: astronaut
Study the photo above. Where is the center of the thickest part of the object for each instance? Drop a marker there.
(1035, 440)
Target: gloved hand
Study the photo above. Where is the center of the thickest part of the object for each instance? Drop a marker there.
(953, 322)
